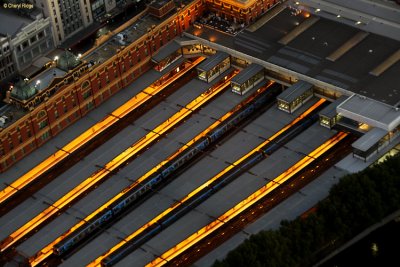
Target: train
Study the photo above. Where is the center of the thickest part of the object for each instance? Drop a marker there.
(137, 191)
(195, 200)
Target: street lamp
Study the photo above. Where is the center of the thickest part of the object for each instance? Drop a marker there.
(38, 84)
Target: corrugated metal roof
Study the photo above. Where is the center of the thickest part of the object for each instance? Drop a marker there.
(369, 139)
(165, 51)
(330, 110)
(294, 91)
(212, 61)
(247, 73)
(371, 112)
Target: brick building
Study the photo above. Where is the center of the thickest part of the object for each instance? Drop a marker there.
(240, 11)
(41, 111)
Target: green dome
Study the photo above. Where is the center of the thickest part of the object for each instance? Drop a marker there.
(23, 90)
(67, 61)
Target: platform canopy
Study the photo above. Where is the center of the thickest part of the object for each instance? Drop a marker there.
(212, 61)
(247, 73)
(330, 110)
(371, 112)
(166, 51)
(369, 139)
(295, 91)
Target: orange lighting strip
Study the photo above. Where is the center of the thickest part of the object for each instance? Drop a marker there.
(97, 262)
(89, 134)
(246, 203)
(114, 164)
(44, 253)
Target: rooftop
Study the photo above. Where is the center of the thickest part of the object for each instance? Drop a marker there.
(124, 38)
(306, 53)
(166, 51)
(369, 139)
(212, 61)
(330, 110)
(247, 73)
(373, 113)
(159, 3)
(23, 90)
(294, 91)
(11, 22)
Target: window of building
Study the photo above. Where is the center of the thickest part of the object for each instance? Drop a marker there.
(85, 84)
(45, 136)
(42, 124)
(87, 94)
(41, 114)
(89, 105)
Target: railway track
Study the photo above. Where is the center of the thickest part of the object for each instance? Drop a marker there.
(113, 166)
(251, 208)
(29, 183)
(157, 176)
(197, 196)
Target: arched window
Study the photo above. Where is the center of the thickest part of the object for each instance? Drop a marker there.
(85, 84)
(41, 114)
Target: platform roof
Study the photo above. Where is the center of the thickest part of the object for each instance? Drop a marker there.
(294, 91)
(330, 110)
(307, 53)
(371, 112)
(247, 73)
(369, 139)
(165, 51)
(212, 61)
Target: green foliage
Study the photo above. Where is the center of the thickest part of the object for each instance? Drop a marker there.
(356, 202)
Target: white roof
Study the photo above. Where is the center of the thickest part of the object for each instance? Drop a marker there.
(369, 139)
(371, 112)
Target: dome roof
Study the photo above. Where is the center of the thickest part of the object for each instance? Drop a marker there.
(67, 61)
(23, 90)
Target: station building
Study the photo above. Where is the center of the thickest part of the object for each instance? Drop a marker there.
(166, 56)
(37, 111)
(328, 117)
(213, 66)
(241, 12)
(294, 48)
(247, 79)
(295, 96)
(355, 69)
